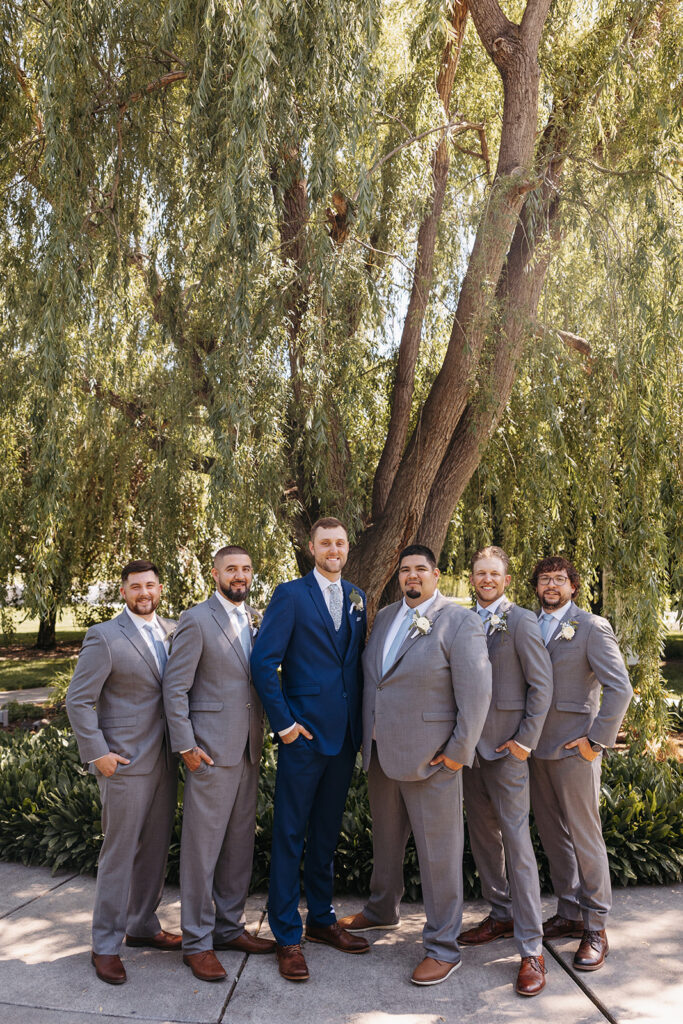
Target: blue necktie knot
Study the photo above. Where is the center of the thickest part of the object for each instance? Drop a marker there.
(159, 648)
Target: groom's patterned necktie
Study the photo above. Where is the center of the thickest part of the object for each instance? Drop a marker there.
(335, 605)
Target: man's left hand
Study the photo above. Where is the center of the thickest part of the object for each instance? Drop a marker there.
(454, 766)
(519, 752)
(585, 749)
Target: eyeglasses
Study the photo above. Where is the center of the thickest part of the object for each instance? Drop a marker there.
(559, 581)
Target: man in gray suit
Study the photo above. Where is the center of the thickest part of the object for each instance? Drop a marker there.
(497, 786)
(565, 766)
(215, 721)
(115, 707)
(427, 691)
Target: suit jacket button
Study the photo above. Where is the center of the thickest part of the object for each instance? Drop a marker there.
(248, 705)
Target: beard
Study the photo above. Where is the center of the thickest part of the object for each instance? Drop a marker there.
(412, 593)
(549, 604)
(143, 605)
(238, 593)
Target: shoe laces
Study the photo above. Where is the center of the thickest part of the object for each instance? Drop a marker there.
(537, 962)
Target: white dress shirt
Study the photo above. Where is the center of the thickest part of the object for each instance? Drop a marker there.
(325, 585)
(420, 609)
(141, 623)
(491, 608)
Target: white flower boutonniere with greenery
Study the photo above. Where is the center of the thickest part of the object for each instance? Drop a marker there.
(421, 624)
(356, 601)
(567, 630)
(256, 621)
(498, 623)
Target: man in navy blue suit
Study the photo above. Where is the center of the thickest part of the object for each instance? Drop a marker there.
(314, 628)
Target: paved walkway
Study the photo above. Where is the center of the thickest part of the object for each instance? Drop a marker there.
(46, 976)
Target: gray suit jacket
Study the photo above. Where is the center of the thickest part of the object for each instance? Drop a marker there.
(591, 660)
(522, 682)
(208, 695)
(435, 696)
(114, 700)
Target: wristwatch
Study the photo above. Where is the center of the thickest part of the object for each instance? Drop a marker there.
(596, 747)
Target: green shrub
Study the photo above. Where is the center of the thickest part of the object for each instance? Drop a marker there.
(50, 814)
(676, 716)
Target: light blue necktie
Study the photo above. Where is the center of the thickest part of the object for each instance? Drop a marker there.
(485, 615)
(159, 647)
(243, 631)
(546, 625)
(401, 634)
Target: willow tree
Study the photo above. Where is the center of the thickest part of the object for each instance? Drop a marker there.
(297, 250)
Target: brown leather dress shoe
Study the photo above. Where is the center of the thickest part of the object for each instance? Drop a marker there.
(206, 966)
(432, 971)
(291, 963)
(557, 927)
(486, 931)
(162, 940)
(531, 977)
(335, 935)
(109, 968)
(361, 923)
(593, 949)
(247, 943)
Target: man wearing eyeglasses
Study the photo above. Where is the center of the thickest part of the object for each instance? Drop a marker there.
(565, 766)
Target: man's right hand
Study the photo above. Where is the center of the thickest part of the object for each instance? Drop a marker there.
(193, 758)
(108, 763)
(298, 730)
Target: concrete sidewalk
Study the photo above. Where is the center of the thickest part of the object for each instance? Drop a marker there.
(46, 976)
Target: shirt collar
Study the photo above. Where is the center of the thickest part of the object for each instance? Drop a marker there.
(559, 613)
(490, 609)
(229, 606)
(323, 581)
(420, 609)
(141, 623)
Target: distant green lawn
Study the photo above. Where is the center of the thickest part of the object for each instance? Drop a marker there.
(27, 675)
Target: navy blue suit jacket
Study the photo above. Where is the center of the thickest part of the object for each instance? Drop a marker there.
(321, 689)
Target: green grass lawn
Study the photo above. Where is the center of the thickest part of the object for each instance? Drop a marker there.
(27, 675)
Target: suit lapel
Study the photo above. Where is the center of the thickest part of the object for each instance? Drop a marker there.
(382, 631)
(493, 637)
(224, 621)
(413, 636)
(133, 634)
(319, 602)
(570, 612)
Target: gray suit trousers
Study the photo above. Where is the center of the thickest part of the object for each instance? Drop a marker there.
(432, 809)
(565, 800)
(216, 852)
(497, 805)
(137, 818)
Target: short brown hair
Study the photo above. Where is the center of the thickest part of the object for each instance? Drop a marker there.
(327, 523)
(138, 565)
(229, 549)
(492, 551)
(555, 563)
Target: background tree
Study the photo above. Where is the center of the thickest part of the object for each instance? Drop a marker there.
(265, 260)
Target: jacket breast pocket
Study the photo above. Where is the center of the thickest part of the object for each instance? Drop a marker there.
(511, 705)
(438, 716)
(206, 705)
(568, 705)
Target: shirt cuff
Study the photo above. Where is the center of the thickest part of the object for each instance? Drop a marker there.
(523, 746)
(284, 732)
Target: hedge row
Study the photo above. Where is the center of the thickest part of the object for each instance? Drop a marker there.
(50, 814)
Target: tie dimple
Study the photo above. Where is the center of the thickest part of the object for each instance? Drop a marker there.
(334, 591)
(401, 634)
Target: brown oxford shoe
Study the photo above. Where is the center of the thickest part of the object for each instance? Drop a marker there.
(109, 968)
(360, 923)
(247, 943)
(593, 949)
(336, 936)
(291, 963)
(486, 931)
(531, 977)
(556, 927)
(206, 966)
(162, 940)
(432, 971)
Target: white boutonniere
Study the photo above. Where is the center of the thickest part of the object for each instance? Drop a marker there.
(567, 630)
(498, 623)
(421, 624)
(356, 601)
(255, 623)
(169, 637)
